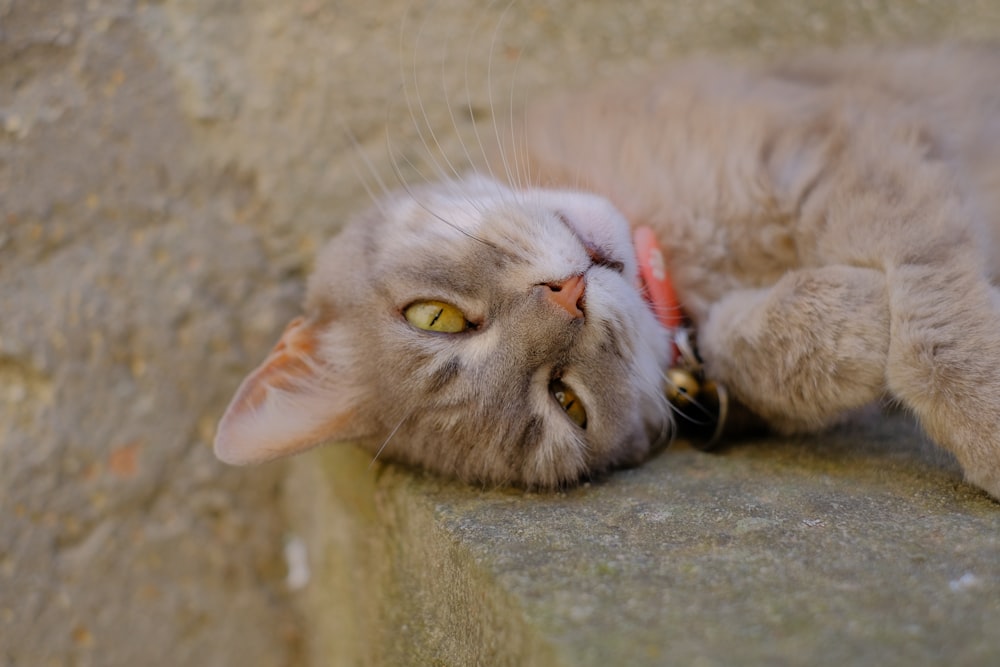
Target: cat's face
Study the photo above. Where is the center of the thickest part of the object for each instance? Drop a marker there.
(492, 335)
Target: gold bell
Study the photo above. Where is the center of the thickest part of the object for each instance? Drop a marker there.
(682, 387)
(700, 405)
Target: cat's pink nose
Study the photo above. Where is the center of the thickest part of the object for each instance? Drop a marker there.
(568, 294)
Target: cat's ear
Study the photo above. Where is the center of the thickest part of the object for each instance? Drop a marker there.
(302, 395)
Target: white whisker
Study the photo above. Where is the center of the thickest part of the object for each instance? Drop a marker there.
(468, 95)
(489, 90)
(362, 155)
(406, 187)
(451, 111)
(419, 126)
(386, 442)
(522, 180)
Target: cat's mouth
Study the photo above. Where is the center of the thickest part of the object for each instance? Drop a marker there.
(598, 255)
(600, 259)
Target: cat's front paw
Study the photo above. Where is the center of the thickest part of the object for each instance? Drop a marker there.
(804, 351)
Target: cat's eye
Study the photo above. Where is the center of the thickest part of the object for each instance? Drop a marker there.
(569, 402)
(436, 316)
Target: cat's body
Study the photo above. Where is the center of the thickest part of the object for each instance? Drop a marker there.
(832, 228)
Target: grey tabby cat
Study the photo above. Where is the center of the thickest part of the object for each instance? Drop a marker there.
(832, 227)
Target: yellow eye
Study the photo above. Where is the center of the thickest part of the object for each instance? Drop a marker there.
(569, 402)
(436, 316)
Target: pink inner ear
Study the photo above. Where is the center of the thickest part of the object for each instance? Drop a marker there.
(286, 366)
(295, 400)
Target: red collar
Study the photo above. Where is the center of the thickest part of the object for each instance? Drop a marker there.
(654, 281)
(700, 405)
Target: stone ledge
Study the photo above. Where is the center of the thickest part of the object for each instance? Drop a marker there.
(859, 547)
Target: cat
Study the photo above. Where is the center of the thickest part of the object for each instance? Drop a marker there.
(832, 229)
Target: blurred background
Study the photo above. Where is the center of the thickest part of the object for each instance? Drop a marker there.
(168, 168)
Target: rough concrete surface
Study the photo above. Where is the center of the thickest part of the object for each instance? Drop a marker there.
(860, 547)
(167, 170)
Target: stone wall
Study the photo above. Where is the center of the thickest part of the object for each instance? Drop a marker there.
(167, 170)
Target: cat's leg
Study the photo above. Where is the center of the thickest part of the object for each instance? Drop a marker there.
(944, 357)
(912, 218)
(823, 341)
(923, 327)
(804, 351)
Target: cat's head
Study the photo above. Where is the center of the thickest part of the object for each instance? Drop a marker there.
(492, 335)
